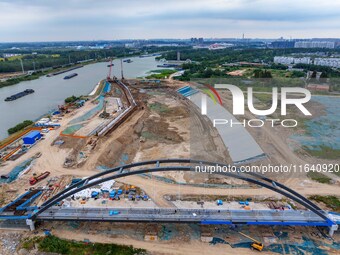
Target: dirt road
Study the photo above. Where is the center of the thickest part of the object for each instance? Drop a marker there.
(158, 247)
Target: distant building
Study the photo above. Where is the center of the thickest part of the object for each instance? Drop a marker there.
(220, 46)
(317, 75)
(195, 40)
(331, 62)
(315, 44)
(292, 60)
(8, 55)
(283, 44)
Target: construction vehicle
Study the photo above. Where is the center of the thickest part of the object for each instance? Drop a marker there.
(104, 114)
(244, 202)
(256, 245)
(35, 179)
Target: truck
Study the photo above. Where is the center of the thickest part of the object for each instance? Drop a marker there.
(35, 179)
(244, 202)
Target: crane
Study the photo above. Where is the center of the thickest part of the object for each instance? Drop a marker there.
(256, 245)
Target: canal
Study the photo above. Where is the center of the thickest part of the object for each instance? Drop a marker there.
(51, 91)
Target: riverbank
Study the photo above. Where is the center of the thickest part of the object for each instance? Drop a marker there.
(38, 74)
(51, 91)
(19, 132)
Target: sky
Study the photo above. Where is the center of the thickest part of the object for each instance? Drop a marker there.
(63, 20)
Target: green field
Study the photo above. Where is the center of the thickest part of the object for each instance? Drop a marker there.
(332, 202)
(324, 152)
(56, 245)
(160, 73)
(315, 176)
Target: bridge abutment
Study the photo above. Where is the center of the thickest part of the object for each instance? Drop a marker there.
(332, 229)
(31, 224)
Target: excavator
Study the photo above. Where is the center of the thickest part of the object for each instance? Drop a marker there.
(256, 245)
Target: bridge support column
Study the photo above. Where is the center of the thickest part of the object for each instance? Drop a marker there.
(30, 223)
(332, 229)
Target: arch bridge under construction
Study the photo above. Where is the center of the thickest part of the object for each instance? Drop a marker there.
(313, 215)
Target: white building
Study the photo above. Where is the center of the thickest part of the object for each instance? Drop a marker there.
(331, 62)
(315, 44)
(291, 60)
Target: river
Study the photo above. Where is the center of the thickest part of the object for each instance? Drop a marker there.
(51, 91)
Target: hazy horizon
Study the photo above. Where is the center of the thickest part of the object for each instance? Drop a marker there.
(174, 39)
(89, 20)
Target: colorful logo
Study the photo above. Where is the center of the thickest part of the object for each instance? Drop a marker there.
(211, 92)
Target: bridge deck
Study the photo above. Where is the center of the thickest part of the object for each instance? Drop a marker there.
(207, 216)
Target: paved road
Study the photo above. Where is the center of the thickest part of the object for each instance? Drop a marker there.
(179, 215)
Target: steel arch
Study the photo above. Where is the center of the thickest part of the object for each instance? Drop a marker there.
(121, 173)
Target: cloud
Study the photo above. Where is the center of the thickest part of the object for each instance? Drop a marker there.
(41, 20)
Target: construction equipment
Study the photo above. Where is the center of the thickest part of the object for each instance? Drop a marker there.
(11, 153)
(256, 245)
(35, 179)
(104, 114)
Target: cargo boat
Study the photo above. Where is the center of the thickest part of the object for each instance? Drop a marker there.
(19, 95)
(110, 65)
(70, 76)
(127, 60)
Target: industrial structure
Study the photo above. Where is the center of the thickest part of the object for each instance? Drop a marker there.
(313, 216)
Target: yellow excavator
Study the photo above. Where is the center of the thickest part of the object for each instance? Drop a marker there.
(256, 245)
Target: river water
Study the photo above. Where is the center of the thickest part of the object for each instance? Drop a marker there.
(51, 91)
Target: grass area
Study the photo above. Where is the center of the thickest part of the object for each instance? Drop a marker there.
(158, 107)
(332, 202)
(256, 88)
(9, 138)
(15, 57)
(61, 246)
(160, 73)
(35, 76)
(319, 177)
(20, 126)
(148, 135)
(100, 88)
(337, 173)
(16, 80)
(264, 98)
(280, 73)
(324, 152)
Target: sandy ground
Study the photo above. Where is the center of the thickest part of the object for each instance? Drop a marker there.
(112, 147)
(237, 72)
(158, 248)
(213, 205)
(123, 203)
(163, 189)
(126, 140)
(10, 75)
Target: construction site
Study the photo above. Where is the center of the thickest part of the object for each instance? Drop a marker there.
(55, 175)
